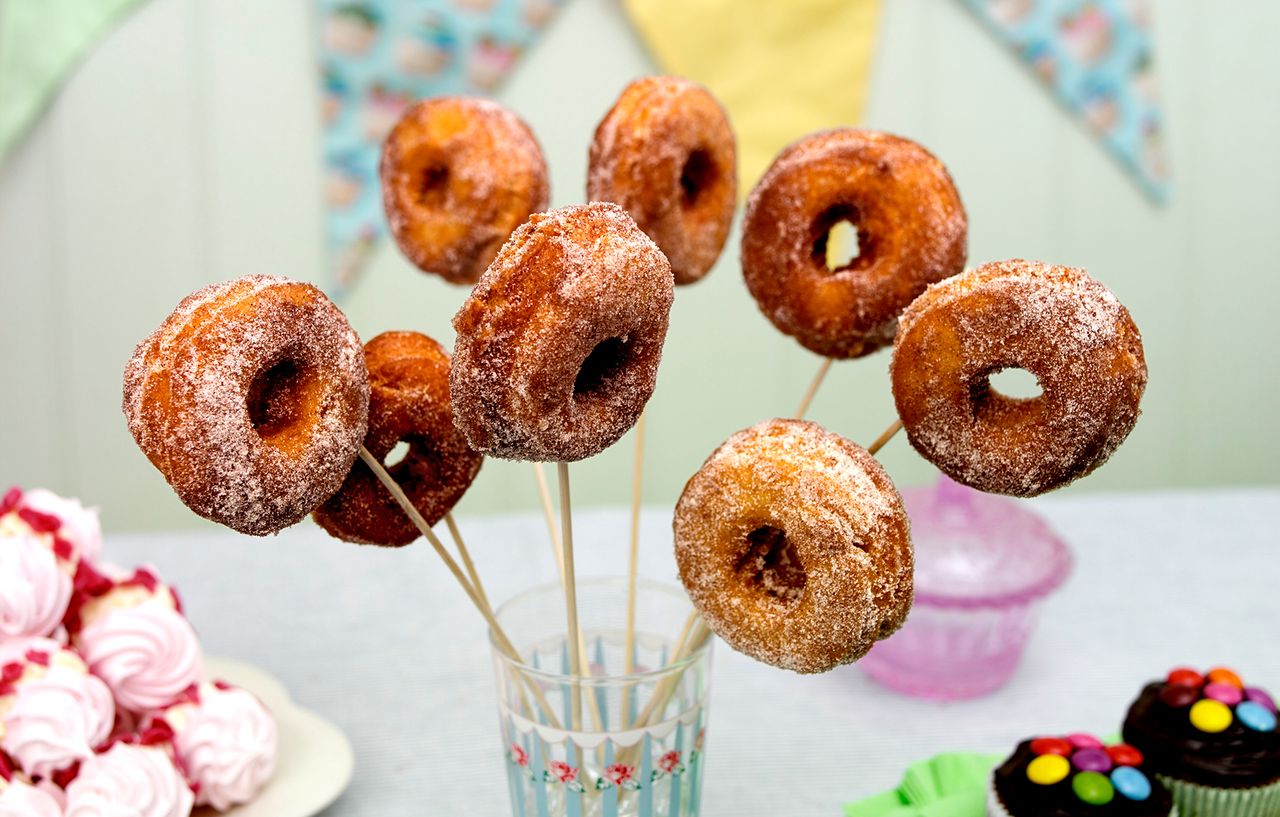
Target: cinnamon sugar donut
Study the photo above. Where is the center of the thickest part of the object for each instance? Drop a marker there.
(1055, 322)
(251, 399)
(408, 401)
(558, 345)
(458, 175)
(912, 231)
(665, 152)
(794, 546)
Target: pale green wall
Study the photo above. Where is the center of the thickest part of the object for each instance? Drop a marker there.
(186, 152)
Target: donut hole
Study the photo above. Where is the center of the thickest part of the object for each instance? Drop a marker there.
(698, 174)
(771, 565)
(435, 183)
(279, 398)
(839, 244)
(396, 455)
(605, 361)
(1008, 382)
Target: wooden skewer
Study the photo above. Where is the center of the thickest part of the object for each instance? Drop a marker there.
(813, 388)
(548, 511)
(470, 566)
(633, 562)
(885, 437)
(499, 635)
(570, 591)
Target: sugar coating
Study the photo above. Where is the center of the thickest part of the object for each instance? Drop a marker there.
(567, 282)
(458, 175)
(912, 231)
(1057, 323)
(186, 390)
(639, 158)
(844, 582)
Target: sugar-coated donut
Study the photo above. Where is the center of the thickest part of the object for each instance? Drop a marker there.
(558, 345)
(912, 231)
(794, 546)
(458, 175)
(666, 153)
(251, 399)
(1055, 322)
(409, 402)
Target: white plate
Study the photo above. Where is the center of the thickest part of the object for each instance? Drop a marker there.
(314, 762)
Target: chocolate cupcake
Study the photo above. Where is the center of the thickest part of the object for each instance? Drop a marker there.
(1076, 776)
(1212, 741)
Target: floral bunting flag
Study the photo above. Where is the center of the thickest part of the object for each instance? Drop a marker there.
(378, 56)
(1097, 57)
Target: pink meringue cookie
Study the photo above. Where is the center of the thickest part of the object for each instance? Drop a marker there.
(224, 741)
(52, 711)
(80, 525)
(129, 781)
(65, 526)
(19, 799)
(34, 588)
(146, 652)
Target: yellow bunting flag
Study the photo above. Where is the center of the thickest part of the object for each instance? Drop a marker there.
(782, 68)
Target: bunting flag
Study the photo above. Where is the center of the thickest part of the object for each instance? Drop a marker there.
(40, 43)
(781, 69)
(1096, 55)
(378, 56)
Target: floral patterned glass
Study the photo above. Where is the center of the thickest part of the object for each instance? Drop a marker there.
(608, 743)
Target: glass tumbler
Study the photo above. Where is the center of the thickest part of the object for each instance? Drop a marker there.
(619, 740)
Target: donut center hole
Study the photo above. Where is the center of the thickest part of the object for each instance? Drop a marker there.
(1013, 383)
(771, 565)
(435, 180)
(696, 176)
(839, 244)
(396, 455)
(605, 361)
(276, 398)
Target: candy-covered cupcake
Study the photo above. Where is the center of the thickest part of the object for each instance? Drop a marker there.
(133, 635)
(1213, 740)
(1075, 776)
(223, 740)
(52, 711)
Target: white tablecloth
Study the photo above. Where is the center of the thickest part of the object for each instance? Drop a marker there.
(383, 643)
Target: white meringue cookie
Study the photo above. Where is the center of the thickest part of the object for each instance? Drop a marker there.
(18, 799)
(225, 744)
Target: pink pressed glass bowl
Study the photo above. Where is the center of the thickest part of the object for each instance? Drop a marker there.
(983, 564)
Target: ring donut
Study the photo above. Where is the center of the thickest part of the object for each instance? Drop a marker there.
(666, 154)
(251, 399)
(794, 546)
(409, 402)
(911, 227)
(558, 345)
(1055, 322)
(458, 176)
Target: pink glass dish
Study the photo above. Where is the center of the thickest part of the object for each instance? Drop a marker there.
(983, 565)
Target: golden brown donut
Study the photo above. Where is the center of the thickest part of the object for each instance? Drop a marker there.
(409, 402)
(558, 345)
(458, 175)
(1055, 322)
(912, 231)
(251, 399)
(666, 154)
(794, 546)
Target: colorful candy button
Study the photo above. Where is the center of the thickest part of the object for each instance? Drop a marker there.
(1260, 697)
(1048, 769)
(1256, 717)
(1222, 675)
(1051, 746)
(1122, 754)
(1178, 697)
(1131, 783)
(1091, 760)
(1226, 693)
(1093, 788)
(1185, 677)
(1083, 741)
(1210, 716)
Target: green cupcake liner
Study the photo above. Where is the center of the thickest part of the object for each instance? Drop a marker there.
(1194, 800)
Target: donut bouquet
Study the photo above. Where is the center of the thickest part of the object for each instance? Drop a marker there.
(259, 404)
(104, 699)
